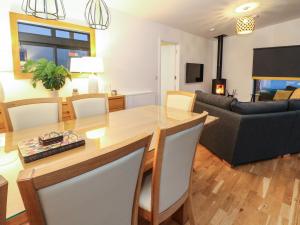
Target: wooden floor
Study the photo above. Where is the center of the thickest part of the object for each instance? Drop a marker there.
(263, 193)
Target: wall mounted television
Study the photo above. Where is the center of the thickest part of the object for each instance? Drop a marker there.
(194, 73)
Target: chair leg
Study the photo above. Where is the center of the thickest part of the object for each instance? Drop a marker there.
(181, 216)
(190, 211)
(154, 222)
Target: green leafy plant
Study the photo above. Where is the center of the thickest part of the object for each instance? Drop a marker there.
(53, 77)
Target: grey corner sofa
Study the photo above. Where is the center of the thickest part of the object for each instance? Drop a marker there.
(249, 132)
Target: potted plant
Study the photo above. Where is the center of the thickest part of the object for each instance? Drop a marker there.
(53, 77)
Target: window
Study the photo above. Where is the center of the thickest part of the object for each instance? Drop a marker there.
(31, 29)
(266, 89)
(57, 45)
(54, 40)
(278, 84)
(62, 34)
(80, 37)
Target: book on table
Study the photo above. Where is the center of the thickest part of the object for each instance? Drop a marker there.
(32, 149)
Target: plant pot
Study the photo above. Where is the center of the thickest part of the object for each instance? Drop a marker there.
(54, 94)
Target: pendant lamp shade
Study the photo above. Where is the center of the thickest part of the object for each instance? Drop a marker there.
(97, 14)
(245, 25)
(45, 9)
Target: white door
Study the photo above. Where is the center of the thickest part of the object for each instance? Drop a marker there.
(168, 70)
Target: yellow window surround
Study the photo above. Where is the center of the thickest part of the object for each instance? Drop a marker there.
(16, 17)
(274, 78)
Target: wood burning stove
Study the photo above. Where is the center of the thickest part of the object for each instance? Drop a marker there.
(219, 84)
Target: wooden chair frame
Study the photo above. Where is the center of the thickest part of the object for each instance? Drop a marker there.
(85, 96)
(31, 180)
(184, 203)
(3, 200)
(183, 93)
(8, 105)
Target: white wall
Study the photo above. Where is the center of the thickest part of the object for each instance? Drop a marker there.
(130, 49)
(238, 53)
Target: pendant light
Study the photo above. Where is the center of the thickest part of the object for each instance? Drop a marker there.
(97, 14)
(45, 9)
(245, 25)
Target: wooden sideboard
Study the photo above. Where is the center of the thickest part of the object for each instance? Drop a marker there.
(115, 103)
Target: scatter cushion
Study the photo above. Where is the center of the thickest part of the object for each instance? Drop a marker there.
(247, 108)
(296, 94)
(282, 95)
(215, 100)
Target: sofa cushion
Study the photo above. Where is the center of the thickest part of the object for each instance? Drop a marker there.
(282, 95)
(247, 108)
(294, 104)
(215, 100)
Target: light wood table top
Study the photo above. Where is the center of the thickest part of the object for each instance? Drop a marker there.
(99, 132)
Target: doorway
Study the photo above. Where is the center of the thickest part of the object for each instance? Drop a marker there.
(169, 68)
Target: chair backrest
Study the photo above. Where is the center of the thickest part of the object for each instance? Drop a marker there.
(27, 113)
(3, 200)
(93, 188)
(174, 162)
(181, 100)
(88, 105)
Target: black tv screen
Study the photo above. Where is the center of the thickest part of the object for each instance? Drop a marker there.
(194, 72)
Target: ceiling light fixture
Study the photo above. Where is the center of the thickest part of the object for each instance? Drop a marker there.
(212, 29)
(246, 7)
(46, 9)
(245, 25)
(97, 14)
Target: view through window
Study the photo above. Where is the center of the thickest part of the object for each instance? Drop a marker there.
(53, 44)
(266, 89)
(278, 84)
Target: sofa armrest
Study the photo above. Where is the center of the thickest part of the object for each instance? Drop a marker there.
(221, 136)
(263, 136)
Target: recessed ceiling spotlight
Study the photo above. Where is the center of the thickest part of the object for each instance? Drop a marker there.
(212, 29)
(246, 7)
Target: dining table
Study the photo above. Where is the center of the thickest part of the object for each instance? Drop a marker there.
(99, 132)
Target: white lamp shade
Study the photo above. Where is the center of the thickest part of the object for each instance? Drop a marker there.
(87, 65)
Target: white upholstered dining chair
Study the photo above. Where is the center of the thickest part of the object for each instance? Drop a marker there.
(27, 113)
(87, 105)
(181, 100)
(168, 188)
(3, 200)
(93, 188)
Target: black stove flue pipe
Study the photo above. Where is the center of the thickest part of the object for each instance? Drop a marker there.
(220, 56)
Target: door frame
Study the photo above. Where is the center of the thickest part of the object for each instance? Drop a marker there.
(177, 69)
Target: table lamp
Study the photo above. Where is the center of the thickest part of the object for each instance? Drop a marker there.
(89, 65)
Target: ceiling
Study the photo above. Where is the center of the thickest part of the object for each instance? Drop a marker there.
(199, 16)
